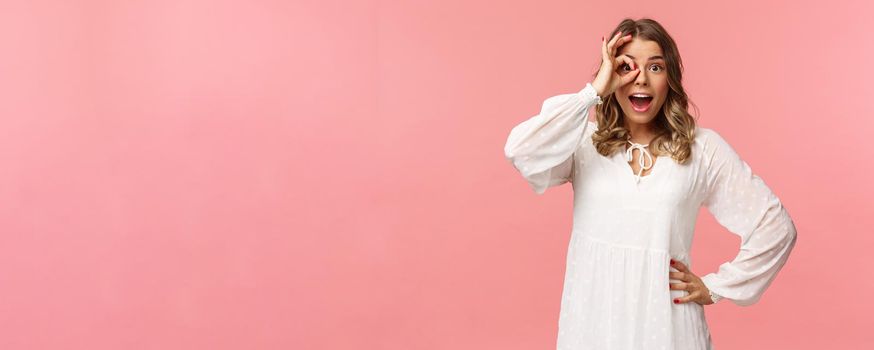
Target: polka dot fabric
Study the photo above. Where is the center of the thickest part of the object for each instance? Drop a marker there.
(627, 229)
(742, 202)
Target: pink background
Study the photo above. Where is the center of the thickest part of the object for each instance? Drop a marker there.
(182, 174)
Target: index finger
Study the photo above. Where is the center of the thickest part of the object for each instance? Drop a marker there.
(677, 264)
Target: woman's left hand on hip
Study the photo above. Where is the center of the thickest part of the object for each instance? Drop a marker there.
(690, 282)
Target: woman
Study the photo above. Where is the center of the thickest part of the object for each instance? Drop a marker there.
(628, 281)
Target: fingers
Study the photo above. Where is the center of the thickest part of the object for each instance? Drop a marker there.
(679, 265)
(682, 276)
(633, 73)
(628, 78)
(616, 41)
(613, 40)
(688, 283)
(608, 51)
(604, 56)
(679, 286)
(624, 59)
(687, 298)
(609, 60)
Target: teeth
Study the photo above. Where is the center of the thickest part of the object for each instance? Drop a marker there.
(641, 95)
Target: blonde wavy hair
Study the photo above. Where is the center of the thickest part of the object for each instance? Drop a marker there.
(674, 125)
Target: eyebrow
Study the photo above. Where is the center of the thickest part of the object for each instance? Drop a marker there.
(650, 59)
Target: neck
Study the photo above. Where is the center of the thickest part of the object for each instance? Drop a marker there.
(639, 133)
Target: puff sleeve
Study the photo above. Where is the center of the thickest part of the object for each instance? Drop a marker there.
(542, 147)
(742, 203)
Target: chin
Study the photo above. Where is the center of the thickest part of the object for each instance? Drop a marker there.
(639, 119)
(636, 117)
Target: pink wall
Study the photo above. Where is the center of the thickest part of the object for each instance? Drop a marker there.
(191, 174)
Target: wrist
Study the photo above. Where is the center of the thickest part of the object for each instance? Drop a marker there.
(599, 89)
(714, 297)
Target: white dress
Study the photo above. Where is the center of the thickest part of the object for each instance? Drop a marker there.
(627, 227)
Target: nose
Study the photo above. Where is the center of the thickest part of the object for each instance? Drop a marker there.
(641, 78)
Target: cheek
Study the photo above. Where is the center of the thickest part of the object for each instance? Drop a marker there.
(663, 91)
(624, 102)
(660, 105)
(663, 86)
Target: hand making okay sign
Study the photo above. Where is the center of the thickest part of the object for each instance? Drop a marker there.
(608, 78)
(691, 283)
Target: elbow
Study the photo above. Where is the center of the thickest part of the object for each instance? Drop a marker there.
(746, 301)
(509, 153)
(512, 157)
(538, 188)
(791, 232)
(511, 149)
(515, 141)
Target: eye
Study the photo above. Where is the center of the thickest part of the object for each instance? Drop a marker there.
(659, 66)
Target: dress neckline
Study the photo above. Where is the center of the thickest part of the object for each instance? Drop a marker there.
(644, 158)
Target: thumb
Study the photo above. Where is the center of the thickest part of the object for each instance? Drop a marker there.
(630, 76)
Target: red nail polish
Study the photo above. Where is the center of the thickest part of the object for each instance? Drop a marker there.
(672, 261)
(676, 301)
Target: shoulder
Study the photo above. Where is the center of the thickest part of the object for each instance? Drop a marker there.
(711, 145)
(706, 136)
(708, 139)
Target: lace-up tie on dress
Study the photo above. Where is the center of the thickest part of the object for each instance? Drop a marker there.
(641, 161)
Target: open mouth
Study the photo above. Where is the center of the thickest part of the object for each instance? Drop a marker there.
(640, 102)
